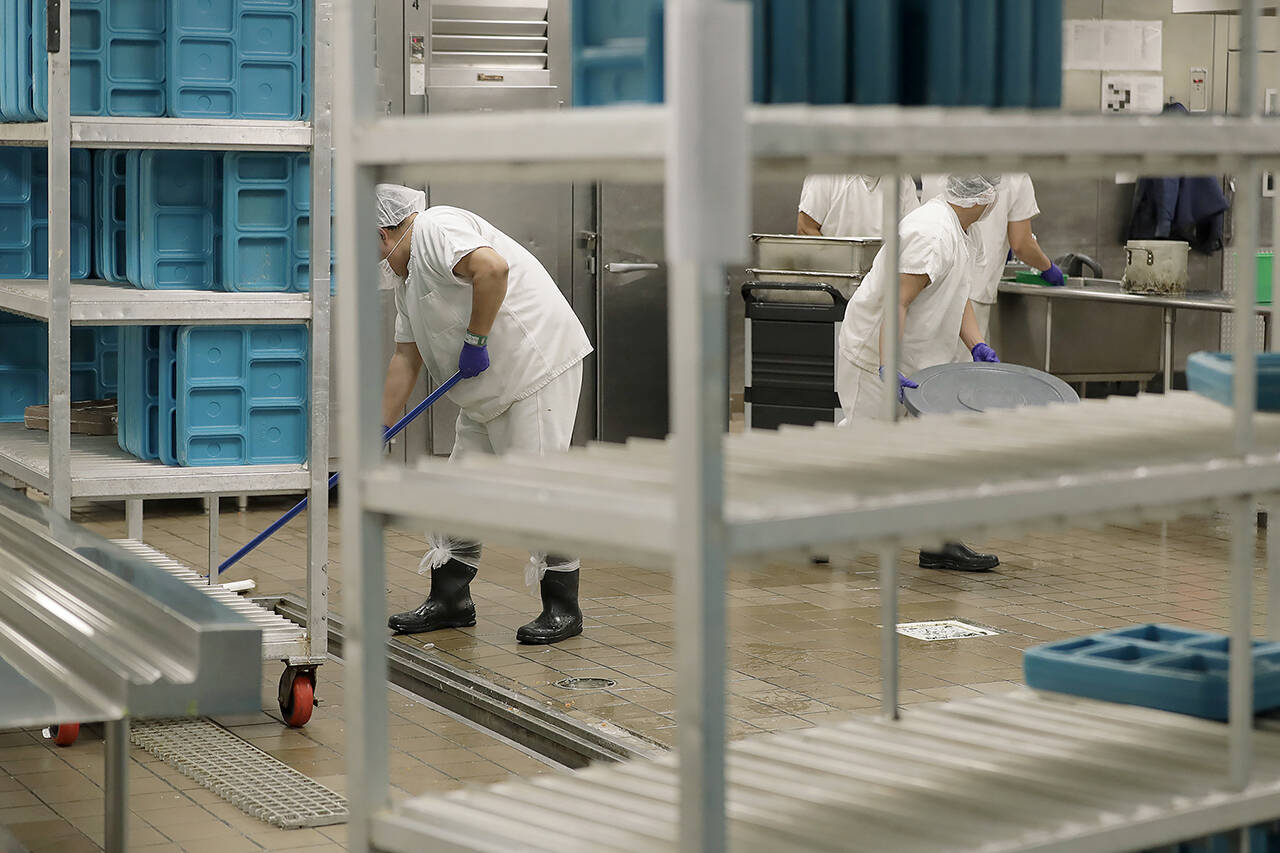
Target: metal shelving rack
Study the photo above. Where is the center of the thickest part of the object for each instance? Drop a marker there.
(95, 467)
(697, 500)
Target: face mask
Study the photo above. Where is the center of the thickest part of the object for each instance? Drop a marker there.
(388, 278)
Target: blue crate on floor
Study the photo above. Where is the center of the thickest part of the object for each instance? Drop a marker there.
(24, 213)
(235, 59)
(242, 395)
(266, 222)
(1156, 666)
(111, 238)
(1212, 374)
(138, 400)
(174, 212)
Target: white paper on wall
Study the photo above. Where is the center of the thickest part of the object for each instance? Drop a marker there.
(1132, 93)
(1094, 45)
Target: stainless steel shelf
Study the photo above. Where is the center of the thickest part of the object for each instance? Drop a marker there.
(1013, 774)
(100, 469)
(621, 143)
(186, 133)
(100, 303)
(799, 488)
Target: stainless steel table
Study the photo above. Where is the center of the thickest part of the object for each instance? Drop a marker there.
(1107, 290)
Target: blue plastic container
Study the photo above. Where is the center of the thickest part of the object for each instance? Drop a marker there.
(1156, 666)
(242, 395)
(875, 41)
(1046, 60)
(981, 68)
(1212, 374)
(790, 51)
(111, 238)
(174, 212)
(16, 67)
(24, 213)
(266, 227)
(24, 364)
(95, 354)
(828, 51)
(617, 52)
(235, 59)
(167, 395)
(1013, 60)
(932, 52)
(138, 402)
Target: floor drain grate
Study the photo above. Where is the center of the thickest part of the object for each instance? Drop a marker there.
(586, 683)
(944, 629)
(240, 773)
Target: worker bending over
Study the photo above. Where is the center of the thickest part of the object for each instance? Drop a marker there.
(849, 205)
(938, 245)
(469, 296)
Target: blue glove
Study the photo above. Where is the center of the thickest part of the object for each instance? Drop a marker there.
(1053, 276)
(1009, 259)
(982, 352)
(903, 382)
(473, 360)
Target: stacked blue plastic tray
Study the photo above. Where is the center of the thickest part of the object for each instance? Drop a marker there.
(24, 213)
(173, 213)
(241, 395)
(266, 227)
(235, 59)
(1156, 666)
(110, 244)
(993, 53)
(138, 397)
(24, 364)
(16, 67)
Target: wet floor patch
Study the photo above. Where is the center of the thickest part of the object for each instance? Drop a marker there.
(943, 629)
(586, 683)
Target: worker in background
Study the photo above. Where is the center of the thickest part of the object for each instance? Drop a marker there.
(848, 205)
(1006, 228)
(468, 296)
(938, 246)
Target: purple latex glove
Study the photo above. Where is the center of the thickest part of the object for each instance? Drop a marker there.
(1009, 259)
(983, 352)
(473, 360)
(903, 382)
(1053, 276)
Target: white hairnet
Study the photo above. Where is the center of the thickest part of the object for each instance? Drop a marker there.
(971, 190)
(396, 203)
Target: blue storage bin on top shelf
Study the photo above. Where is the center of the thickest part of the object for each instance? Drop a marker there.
(24, 364)
(235, 59)
(24, 212)
(242, 395)
(1156, 666)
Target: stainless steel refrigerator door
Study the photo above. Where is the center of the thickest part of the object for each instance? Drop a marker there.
(631, 351)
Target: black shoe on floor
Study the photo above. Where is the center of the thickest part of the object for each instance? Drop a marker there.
(448, 605)
(560, 618)
(957, 557)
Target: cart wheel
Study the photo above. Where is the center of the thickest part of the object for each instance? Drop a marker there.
(65, 734)
(297, 696)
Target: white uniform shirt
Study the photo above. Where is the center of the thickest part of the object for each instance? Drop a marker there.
(932, 243)
(535, 338)
(846, 207)
(1015, 202)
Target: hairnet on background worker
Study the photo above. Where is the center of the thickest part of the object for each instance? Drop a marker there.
(1003, 232)
(935, 263)
(471, 299)
(849, 205)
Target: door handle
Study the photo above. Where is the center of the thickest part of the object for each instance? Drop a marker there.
(622, 268)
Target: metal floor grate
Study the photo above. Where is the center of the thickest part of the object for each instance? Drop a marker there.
(281, 639)
(240, 773)
(943, 629)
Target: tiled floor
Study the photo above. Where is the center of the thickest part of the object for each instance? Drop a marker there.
(804, 644)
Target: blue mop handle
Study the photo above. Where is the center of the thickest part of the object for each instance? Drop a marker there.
(388, 434)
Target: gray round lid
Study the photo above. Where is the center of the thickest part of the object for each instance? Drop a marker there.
(981, 386)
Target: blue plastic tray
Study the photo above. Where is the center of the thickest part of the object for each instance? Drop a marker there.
(111, 244)
(174, 207)
(167, 395)
(874, 43)
(1211, 374)
(24, 213)
(1156, 666)
(15, 53)
(617, 52)
(95, 352)
(266, 225)
(24, 364)
(1013, 62)
(1046, 61)
(235, 59)
(242, 395)
(138, 403)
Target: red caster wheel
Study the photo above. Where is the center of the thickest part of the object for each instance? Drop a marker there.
(65, 734)
(297, 695)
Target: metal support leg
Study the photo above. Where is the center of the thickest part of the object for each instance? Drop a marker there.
(213, 539)
(889, 632)
(242, 503)
(1240, 666)
(133, 519)
(1169, 319)
(1273, 573)
(116, 785)
(1048, 334)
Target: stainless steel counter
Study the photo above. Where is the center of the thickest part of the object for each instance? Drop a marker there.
(1110, 291)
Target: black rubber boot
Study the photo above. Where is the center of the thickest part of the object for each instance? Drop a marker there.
(560, 618)
(448, 605)
(957, 557)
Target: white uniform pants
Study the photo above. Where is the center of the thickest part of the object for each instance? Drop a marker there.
(540, 423)
(861, 392)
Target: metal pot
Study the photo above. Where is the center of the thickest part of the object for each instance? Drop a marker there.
(1156, 266)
